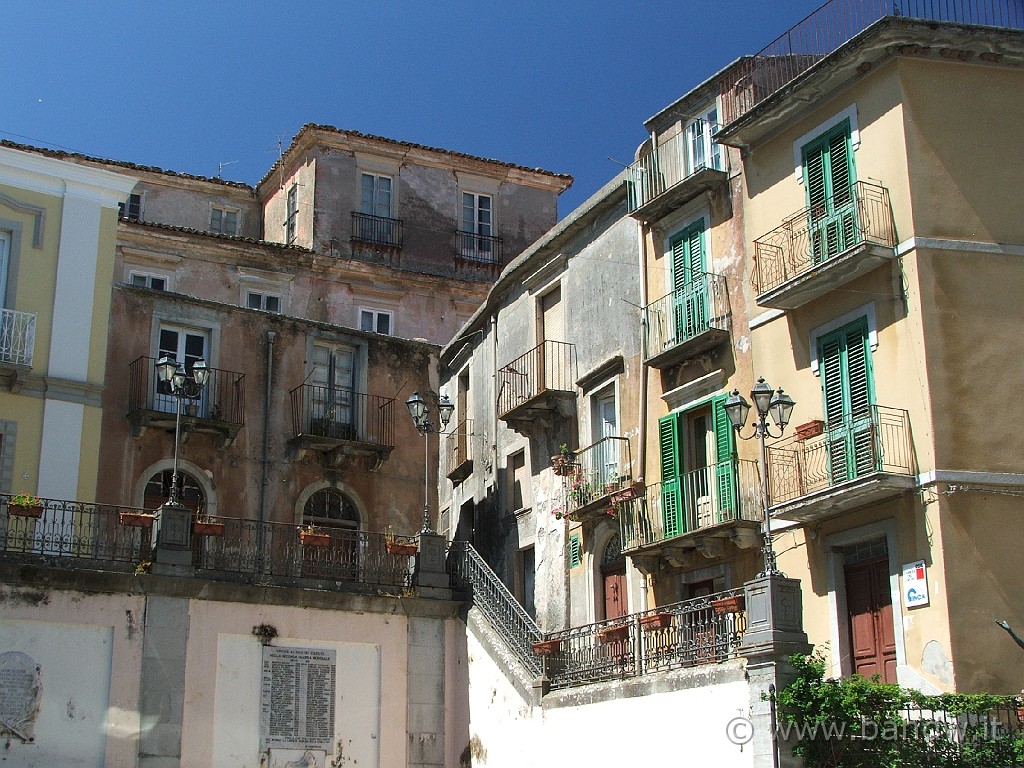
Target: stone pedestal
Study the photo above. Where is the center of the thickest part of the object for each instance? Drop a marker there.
(431, 573)
(774, 632)
(173, 538)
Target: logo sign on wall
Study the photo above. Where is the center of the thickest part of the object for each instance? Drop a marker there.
(915, 584)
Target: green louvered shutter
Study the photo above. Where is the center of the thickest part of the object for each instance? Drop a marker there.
(858, 374)
(845, 368)
(829, 177)
(671, 498)
(725, 467)
(689, 282)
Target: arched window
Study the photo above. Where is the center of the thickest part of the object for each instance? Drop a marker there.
(330, 507)
(158, 490)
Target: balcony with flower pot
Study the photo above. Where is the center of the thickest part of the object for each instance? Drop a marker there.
(596, 474)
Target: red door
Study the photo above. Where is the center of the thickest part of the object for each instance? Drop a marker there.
(614, 590)
(872, 635)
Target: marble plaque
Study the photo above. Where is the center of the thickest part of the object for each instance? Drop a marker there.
(297, 698)
(21, 692)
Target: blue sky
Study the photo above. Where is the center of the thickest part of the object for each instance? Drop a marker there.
(186, 85)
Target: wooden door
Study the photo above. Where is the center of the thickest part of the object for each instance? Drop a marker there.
(872, 634)
(614, 580)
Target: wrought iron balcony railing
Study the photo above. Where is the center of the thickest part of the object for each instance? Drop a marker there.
(222, 400)
(598, 471)
(376, 230)
(664, 167)
(481, 249)
(459, 451)
(726, 492)
(810, 237)
(876, 440)
(833, 24)
(550, 366)
(704, 630)
(17, 337)
(699, 306)
(339, 413)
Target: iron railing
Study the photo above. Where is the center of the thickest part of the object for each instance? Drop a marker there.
(508, 618)
(340, 413)
(74, 533)
(222, 399)
(267, 550)
(852, 216)
(17, 337)
(698, 306)
(459, 447)
(376, 230)
(481, 249)
(667, 164)
(725, 492)
(702, 630)
(551, 365)
(833, 24)
(598, 471)
(875, 440)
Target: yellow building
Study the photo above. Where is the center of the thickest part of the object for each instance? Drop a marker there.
(58, 224)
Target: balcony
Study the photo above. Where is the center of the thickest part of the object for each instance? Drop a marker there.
(219, 409)
(341, 424)
(687, 321)
(538, 388)
(857, 461)
(661, 181)
(699, 512)
(599, 471)
(17, 344)
(459, 452)
(477, 253)
(817, 250)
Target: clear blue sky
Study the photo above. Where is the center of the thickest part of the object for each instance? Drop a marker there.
(185, 85)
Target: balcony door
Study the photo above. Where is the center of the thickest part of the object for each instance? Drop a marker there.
(613, 580)
(689, 282)
(332, 404)
(829, 176)
(552, 329)
(848, 390)
(375, 201)
(872, 633)
(185, 345)
(605, 427)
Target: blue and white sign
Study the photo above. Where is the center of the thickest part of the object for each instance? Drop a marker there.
(915, 584)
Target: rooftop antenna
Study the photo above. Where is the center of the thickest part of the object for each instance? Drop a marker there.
(220, 168)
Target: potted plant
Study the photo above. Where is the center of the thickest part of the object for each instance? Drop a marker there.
(731, 604)
(656, 621)
(311, 536)
(25, 505)
(547, 647)
(812, 428)
(135, 519)
(630, 492)
(562, 462)
(204, 526)
(394, 546)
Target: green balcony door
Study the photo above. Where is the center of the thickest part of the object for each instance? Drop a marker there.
(829, 175)
(847, 387)
(689, 282)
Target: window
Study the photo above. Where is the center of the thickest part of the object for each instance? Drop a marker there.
(829, 176)
(477, 220)
(331, 401)
(704, 153)
(604, 424)
(269, 302)
(291, 213)
(375, 195)
(698, 483)
(148, 280)
(185, 345)
(526, 567)
(848, 391)
(330, 507)
(375, 320)
(5, 260)
(132, 209)
(224, 221)
(575, 551)
(689, 281)
(517, 480)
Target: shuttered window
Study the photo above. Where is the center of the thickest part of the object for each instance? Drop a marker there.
(848, 394)
(829, 176)
(575, 551)
(689, 282)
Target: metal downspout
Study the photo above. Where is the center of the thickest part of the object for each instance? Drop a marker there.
(266, 425)
(644, 373)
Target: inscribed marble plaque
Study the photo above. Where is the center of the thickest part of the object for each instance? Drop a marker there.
(297, 698)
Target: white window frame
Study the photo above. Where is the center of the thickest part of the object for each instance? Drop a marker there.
(867, 310)
(376, 314)
(850, 113)
(149, 276)
(264, 295)
(711, 149)
(477, 196)
(376, 192)
(224, 211)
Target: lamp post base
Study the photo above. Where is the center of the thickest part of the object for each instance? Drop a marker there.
(174, 537)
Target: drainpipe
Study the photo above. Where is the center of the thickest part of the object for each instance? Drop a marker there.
(644, 373)
(266, 424)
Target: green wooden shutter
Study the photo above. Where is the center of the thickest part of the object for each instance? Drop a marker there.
(725, 466)
(844, 360)
(575, 551)
(829, 177)
(671, 498)
(689, 282)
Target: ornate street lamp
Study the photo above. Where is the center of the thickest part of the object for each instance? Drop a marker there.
(419, 410)
(181, 384)
(780, 406)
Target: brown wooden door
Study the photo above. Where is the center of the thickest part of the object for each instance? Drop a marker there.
(872, 634)
(614, 579)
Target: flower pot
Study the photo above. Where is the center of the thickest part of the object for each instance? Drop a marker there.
(656, 621)
(728, 604)
(34, 510)
(311, 539)
(1020, 714)
(613, 634)
(207, 528)
(561, 464)
(547, 647)
(401, 547)
(628, 493)
(810, 429)
(136, 519)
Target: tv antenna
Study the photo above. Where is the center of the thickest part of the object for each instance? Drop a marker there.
(220, 168)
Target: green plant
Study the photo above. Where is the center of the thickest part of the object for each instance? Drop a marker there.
(856, 721)
(25, 500)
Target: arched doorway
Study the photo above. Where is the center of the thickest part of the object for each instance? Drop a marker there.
(330, 509)
(613, 579)
(158, 491)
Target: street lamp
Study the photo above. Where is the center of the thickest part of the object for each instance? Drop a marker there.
(780, 406)
(181, 384)
(419, 410)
